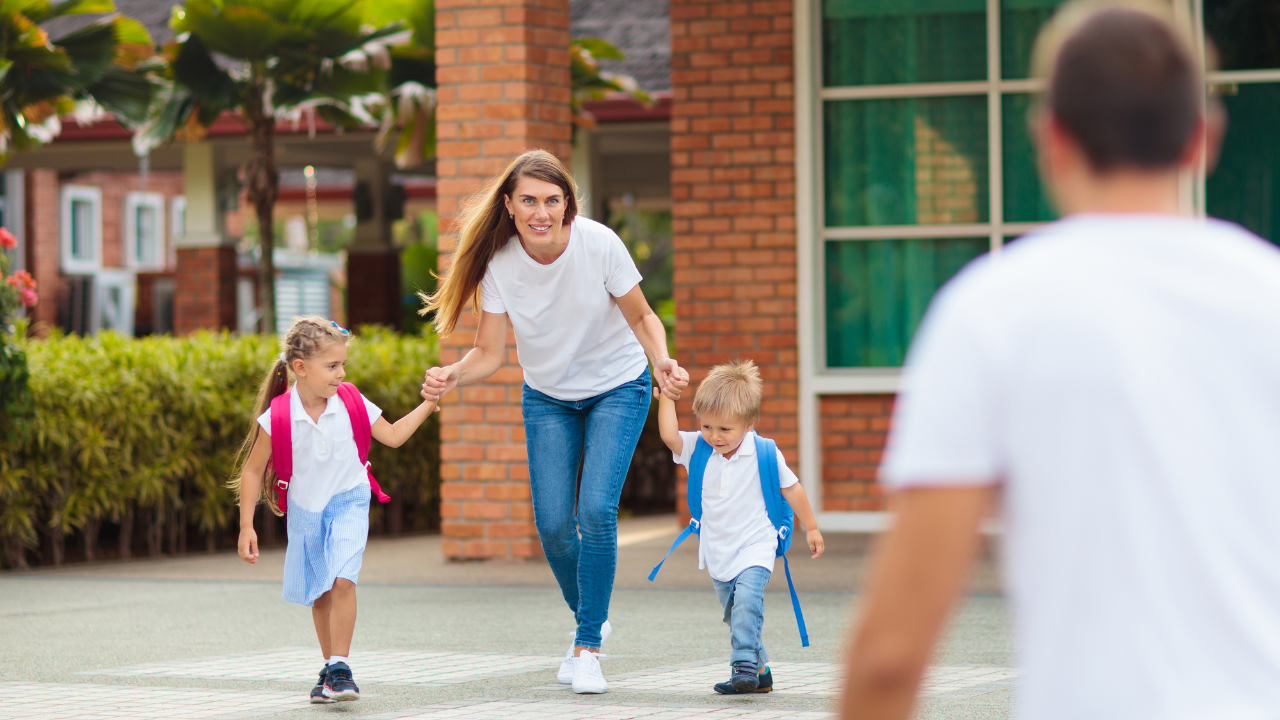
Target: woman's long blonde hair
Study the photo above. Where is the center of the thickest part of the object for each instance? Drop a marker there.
(308, 336)
(486, 227)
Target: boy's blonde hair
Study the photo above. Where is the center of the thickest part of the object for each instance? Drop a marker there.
(733, 391)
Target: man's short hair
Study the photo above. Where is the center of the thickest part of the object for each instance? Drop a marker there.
(732, 391)
(1123, 81)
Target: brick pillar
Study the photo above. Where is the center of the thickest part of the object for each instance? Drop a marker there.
(373, 287)
(502, 70)
(205, 289)
(45, 245)
(205, 281)
(733, 190)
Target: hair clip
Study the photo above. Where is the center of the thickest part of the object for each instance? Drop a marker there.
(340, 328)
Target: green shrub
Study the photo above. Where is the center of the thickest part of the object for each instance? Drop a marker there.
(144, 432)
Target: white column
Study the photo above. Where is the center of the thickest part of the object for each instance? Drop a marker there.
(204, 223)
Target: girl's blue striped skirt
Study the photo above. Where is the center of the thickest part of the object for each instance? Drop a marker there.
(325, 546)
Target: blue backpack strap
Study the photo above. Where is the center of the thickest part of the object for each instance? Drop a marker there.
(781, 516)
(697, 466)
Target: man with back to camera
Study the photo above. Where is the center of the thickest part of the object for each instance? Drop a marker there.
(1115, 379)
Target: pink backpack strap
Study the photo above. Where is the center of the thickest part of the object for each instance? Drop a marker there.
(363, 432)
(282, 448)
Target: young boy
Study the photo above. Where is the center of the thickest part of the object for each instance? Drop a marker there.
(736, 541)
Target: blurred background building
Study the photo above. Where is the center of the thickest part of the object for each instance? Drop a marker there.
(808, 174)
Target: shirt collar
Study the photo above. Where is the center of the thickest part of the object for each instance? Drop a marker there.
(299, 414)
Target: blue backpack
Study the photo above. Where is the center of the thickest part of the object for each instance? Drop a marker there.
(780, 514)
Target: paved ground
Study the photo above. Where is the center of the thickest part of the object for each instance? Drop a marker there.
(209, 637)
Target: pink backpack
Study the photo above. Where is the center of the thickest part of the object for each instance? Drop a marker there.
(282, 441)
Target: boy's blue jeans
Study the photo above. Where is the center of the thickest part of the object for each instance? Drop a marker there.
(598, 434)
(743, 601)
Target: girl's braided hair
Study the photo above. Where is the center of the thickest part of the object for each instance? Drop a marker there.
(308, 336)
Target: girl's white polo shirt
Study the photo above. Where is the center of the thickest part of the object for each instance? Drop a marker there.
(325, 459)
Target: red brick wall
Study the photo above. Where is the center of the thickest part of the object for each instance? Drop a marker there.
(206, 289)
(853, 429)
(732, 157)
(502, 70)
(46, 253)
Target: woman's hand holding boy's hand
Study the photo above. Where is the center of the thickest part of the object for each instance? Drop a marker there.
(679, 381)
(248, 545)
(816, 546)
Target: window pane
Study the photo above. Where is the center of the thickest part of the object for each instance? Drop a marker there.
(874, 42)
(1245, 188)
(82, 229)
(145, 219)
(1024, 196)
(1020, 21)
(905, 161)
(877, 291)
(1246, 32)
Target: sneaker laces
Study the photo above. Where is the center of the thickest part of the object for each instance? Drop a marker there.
(589, 663)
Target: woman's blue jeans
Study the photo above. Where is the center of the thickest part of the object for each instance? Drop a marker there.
(598, 434)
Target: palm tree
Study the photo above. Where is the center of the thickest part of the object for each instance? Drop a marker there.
(409, 109)
(42, 80)
(268, 60)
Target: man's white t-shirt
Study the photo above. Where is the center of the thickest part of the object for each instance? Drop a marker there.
(735, 532)
(325, 459)
(1120, 376)
(571, 337)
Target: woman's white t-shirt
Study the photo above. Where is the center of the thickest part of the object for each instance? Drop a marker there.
(325, 459)
(571, 337)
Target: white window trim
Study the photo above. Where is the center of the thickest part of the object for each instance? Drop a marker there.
(133, 201)
(93, 195)
(177, 227)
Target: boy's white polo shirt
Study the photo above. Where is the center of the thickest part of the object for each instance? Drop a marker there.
(736, 533)
(325, 459)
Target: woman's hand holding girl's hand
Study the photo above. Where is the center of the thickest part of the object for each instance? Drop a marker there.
(437, 381)
(248, 545)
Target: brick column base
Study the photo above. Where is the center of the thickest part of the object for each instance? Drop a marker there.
(205, 298)
(373, 288)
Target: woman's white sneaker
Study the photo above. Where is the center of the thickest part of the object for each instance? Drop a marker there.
(565, 675)
(587, 675)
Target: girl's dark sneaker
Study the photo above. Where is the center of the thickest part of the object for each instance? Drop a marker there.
(339, 685)
(317, 692)
(764, 684)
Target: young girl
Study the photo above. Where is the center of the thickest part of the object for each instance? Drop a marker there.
(328, 494)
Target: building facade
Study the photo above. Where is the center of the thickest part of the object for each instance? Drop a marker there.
(833, 163)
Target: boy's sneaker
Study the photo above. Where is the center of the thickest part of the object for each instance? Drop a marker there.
(339, 685)
(565, 675)
(744, 679)
(587, 675)
(317, 692)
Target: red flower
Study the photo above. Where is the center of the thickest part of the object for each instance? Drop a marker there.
(13, 282)
(24, 279)
(28, 297)
(7, 240)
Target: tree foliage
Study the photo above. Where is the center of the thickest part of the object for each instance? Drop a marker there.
(42, 79)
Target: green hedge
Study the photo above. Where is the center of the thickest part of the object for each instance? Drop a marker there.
(143, 433)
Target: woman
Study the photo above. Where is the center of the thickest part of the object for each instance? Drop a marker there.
(583, 330)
